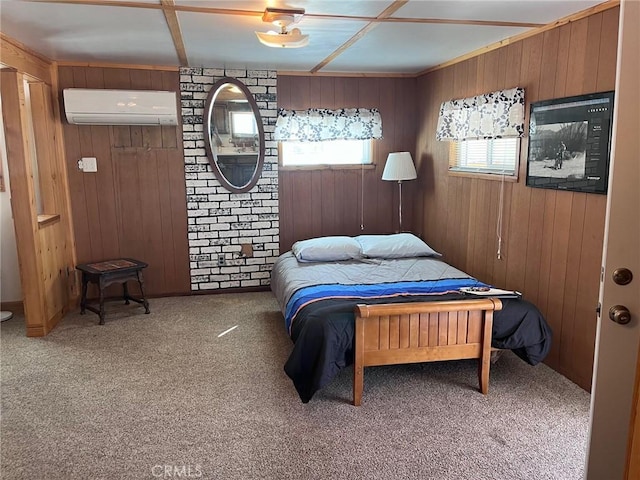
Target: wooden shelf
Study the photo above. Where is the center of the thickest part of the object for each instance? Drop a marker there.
(47, 219)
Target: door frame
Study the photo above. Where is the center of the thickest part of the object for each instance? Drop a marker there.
(45, 240)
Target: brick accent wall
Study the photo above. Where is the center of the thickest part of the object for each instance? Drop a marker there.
(221, 221)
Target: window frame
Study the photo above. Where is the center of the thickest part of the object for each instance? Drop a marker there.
(328, 166)
(487, 175)
(244, 114)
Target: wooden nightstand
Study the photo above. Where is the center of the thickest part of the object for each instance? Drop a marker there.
(107, 272)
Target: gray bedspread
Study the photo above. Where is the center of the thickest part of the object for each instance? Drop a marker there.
(288, 275)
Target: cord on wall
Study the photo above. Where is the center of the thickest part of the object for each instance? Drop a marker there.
(499, 222)
(361, 197)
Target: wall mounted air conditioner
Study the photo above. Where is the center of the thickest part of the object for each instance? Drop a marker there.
(120, 107)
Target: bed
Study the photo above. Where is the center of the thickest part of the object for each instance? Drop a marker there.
(390, 299)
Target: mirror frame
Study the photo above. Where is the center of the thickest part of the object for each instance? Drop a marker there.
(208, 120)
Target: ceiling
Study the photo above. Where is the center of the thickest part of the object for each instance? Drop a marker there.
(356, 36)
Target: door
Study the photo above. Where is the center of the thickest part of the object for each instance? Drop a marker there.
(614, 391)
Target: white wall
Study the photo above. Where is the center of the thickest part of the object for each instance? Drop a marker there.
(10, 290)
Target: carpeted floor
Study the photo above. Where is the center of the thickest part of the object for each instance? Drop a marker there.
(162, 396)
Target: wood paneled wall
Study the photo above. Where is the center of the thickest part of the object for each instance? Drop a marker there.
(39, 201)
(552, 240)
(328, 202)
(135, 205)
(44, 248)
(55, 240)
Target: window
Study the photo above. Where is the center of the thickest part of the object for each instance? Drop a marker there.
(495, 156)
(243, 124)
(331, 152)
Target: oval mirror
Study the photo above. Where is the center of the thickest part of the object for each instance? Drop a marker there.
(234, 135)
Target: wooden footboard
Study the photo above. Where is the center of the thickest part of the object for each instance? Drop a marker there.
(398, 333)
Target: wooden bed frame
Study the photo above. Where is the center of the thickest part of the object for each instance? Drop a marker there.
(389, 334)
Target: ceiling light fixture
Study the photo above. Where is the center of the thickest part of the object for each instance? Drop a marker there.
(283, 17)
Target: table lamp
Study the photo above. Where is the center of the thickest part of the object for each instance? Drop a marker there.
(399, 167)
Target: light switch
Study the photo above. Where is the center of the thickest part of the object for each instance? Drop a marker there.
(88, 164)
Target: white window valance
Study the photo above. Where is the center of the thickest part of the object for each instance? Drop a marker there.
(316, 124)
(492, 115)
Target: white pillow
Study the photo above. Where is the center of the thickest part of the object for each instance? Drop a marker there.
(399, 245)
(326, 249)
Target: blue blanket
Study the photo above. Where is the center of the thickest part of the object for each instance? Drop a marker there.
(314, 293)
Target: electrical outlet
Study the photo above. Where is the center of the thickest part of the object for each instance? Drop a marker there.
(221, 260)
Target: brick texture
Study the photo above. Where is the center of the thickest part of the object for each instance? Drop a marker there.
(220, 222)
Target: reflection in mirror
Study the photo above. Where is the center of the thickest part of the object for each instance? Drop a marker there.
(234, 136)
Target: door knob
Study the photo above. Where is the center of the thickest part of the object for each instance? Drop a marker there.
(620, 314)
(622, 276)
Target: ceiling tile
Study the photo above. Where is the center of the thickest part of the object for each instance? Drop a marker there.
(415, 47)
(368, 8)
(234, 44)
(90, 33)
(530, 11)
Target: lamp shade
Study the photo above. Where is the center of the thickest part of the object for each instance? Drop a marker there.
(399, 167)
(292, 39)
(283, 17)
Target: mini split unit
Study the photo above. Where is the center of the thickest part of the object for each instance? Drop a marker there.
(120, 107)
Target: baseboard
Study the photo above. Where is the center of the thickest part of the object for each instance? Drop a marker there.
(16, 307)
(53, 321)
(218, 291)
(36, 331)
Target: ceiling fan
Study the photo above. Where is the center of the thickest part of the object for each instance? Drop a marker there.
(283, 17)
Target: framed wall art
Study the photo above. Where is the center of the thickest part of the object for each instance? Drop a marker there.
(570, 143)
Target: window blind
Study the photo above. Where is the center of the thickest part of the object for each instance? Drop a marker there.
(485, 156)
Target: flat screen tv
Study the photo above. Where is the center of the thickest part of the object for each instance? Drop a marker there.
(570, 143)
